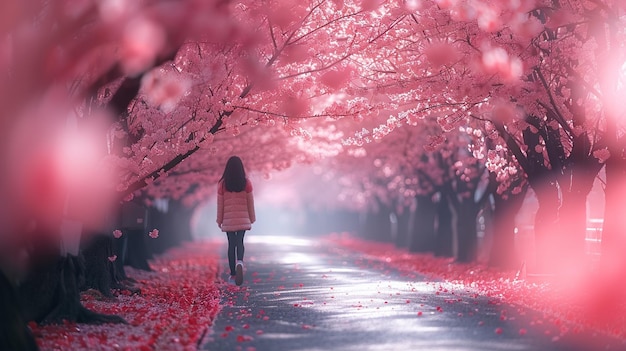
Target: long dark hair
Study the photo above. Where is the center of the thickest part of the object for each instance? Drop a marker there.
(234, 176)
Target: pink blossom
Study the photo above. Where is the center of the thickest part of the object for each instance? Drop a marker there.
(295, 107)
(413, 5)
(142, 40)
(112, 11)
(504, 112)
(495, 60)
(335, 79)
(154, 233)
(295, 53)
(498, 61)
(446, 3)
(489, 20)
(526, 27)
(559, 18)
(164, 90)
(370, 5)
(602, 155)
(463, 12)
(441, 54)
(284, 13)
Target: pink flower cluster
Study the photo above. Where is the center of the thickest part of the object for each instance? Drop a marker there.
(154, 233)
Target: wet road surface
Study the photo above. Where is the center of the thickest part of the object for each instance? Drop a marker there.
(301, 295)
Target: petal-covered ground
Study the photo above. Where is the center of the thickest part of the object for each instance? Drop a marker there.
(585, 304)
(178, 302)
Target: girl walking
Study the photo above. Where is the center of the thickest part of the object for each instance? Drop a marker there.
(235, 213)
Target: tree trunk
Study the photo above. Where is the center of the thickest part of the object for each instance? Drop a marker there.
(312, 222)
(444, 230)
(157, 220)
(573, 230)
(181, 222)
(378, 225)
(503, 254)
(50, 294)
(576, 184)
(174, 227)
(347, 221)
(423, 236)
(607, 281)
(120, 249)
(98, 267)
(402, 232)
(14, 334)
(137, 256)
(613, 260)
(130, 248)
(466, 231)
(545, 226)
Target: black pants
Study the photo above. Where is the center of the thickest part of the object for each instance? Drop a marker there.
(235, 243)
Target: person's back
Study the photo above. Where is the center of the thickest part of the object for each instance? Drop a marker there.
(238, 208)
(235, 213)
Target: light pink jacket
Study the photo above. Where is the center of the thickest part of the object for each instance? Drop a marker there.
(235, 210)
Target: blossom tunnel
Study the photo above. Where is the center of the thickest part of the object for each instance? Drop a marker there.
(485, 132)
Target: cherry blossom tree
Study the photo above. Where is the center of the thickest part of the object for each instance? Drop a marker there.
(397, 80)
(165, 115)
(52, 70)
(492, 66)
(521, 69)
(565, 138)
(56, 55)
(157, 95)
(505, 64)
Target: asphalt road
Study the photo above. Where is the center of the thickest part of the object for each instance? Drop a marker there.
(300, 295)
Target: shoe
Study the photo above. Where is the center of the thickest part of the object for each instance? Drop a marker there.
(239, 275)
(231, 279)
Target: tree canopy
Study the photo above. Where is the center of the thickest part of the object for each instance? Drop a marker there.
(399, 96)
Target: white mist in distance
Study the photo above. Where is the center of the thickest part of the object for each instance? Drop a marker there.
(281, 205)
